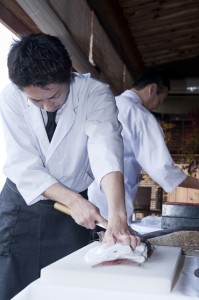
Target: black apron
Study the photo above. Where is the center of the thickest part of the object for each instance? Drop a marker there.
(32, 237)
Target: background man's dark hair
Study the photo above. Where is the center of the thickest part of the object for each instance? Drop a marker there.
(152, 76)
(39, 60)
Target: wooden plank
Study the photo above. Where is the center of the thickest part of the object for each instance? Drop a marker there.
(145, 36)
(15, 18)
(132, 6)
(162, 50)
(193, 196)
(160, 11)
(181, 195)
(10, 21)
(147, 24)
(171, 197)
(76, 16)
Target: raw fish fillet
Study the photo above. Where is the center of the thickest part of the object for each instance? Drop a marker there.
(103, 255)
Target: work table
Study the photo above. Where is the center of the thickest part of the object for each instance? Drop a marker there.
(186, 287)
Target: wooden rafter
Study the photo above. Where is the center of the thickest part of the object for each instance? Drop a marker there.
(14, 17)
(111, 18)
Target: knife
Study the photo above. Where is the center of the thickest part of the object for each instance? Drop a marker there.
(65, 209)
(144, 237)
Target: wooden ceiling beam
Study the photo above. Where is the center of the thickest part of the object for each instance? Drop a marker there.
(111, 18)
(15, 18)
(48, 22)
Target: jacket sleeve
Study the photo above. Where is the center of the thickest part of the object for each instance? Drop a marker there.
(152, 154)
(105, 145)
(24, 164)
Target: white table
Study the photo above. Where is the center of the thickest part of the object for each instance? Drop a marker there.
(185, 287)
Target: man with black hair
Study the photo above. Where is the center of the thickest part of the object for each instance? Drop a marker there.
(61, 132)
(144, 144)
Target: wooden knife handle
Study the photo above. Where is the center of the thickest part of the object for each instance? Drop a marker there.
(63, 208)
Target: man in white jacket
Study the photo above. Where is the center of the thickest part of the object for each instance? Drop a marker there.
(46, 166)
(144, 145)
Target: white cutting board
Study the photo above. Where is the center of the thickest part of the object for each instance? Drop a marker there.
(156, 275)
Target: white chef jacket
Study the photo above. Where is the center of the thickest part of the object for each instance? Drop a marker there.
(87, 142)
(144, 148)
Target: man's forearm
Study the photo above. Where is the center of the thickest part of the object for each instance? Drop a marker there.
(113, 187)
(190, 182)
(59, 193)
(81, 210)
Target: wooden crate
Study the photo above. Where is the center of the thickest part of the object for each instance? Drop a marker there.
(184, 195)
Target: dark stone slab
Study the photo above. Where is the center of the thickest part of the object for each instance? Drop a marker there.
(185, 211)
(178, 222)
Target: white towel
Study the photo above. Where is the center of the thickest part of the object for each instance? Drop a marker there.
(102, 253)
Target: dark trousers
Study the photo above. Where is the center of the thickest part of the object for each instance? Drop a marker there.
(32, 237)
